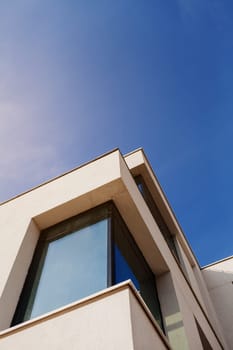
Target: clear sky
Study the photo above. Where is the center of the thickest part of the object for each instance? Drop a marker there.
(78, 78)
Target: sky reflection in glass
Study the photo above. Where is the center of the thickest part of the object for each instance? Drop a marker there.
(123, 271)
(75, 266)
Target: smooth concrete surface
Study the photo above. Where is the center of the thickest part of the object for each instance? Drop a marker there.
(106, 178)
(172, 316)
(191, 311)
(191, 331)
(111, 320)
(55, 201)
(211, 310)
(219, 280)
(193, 293)
(200, 300)
(23, 217)
(190, 275)
(145, 332)
(14, 284)
(139, 165)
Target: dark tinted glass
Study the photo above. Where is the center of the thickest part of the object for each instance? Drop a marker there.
(122, 269)
(157, 215)
(129, 263)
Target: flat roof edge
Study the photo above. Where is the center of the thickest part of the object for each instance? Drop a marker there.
(134, 151)
(59, 176)
(217, 262)
(164, 198)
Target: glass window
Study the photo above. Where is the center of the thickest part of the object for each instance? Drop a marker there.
(72, 267)
(70, 262)
(129, 263)
(122, 269)
(81, 256)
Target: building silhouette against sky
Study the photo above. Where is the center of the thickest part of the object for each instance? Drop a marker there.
(95, 259)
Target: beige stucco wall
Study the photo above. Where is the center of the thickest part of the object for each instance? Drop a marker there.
(219, 280)
(191, 299)
(107, 178)
(23, 217)
(101, 322)
(172, 316)
(188, 269)
(146, 333)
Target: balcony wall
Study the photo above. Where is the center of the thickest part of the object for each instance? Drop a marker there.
(115, 318)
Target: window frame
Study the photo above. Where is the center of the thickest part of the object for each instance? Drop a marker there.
(107, 211)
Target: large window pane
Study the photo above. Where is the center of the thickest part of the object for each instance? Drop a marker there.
(81, 256)
(129, 263)
(75, 266)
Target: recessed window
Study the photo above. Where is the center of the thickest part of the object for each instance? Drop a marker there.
(157, 215)
(71, 267)
(81, 256)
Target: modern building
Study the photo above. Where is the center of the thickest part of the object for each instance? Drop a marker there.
(96, 260)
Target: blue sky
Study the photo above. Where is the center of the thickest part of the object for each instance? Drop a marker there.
(79, 78)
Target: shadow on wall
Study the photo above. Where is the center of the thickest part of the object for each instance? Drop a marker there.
(219, 280)
(217, 277)
(17, 275)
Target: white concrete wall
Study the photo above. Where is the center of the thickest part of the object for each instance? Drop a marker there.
(107, 178)
(185, 295)
(22, 218)
(211, 311)
(172, 317)
(101, 322)
(146, 332)
(188, 271)
(219, 280)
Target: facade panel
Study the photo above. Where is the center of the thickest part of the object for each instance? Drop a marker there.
(169, 305)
